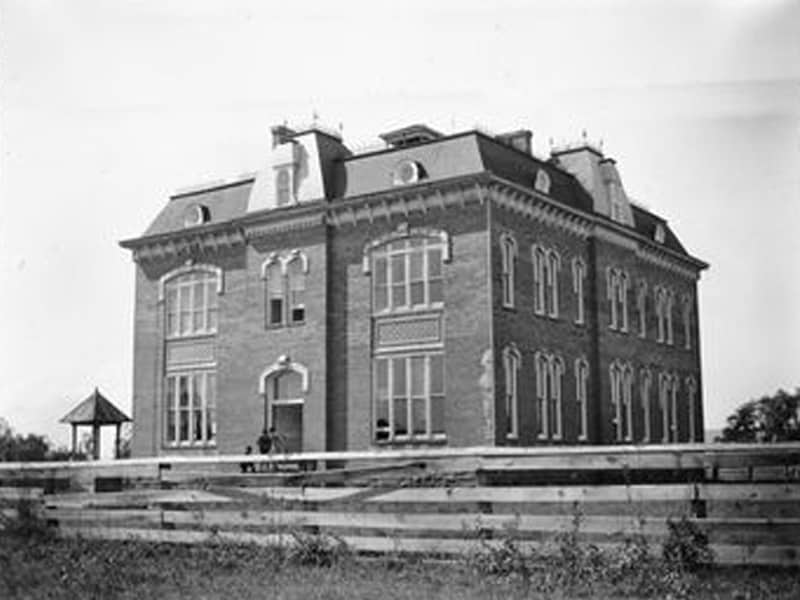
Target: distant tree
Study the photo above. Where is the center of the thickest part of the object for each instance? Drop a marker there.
(15, 447)
(125, 439)
(767, 419)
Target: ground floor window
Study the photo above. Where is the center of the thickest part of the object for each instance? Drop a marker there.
(409, 397)
(190, 408)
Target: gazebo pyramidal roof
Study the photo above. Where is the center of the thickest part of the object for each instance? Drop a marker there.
(95, 410)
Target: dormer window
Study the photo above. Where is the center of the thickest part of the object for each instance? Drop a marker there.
(660, 234)
(283, 186)
(196, 214)
(408, 172)
(542, 183)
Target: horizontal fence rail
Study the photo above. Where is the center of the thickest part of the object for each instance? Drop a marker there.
(745, 498)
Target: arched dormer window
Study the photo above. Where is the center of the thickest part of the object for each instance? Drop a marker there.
(284, 287)
(190, 294)
(542, 182)
(406, 268)
(508, 250)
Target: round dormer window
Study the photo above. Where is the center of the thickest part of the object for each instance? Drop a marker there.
(408, 172)
(196, 214)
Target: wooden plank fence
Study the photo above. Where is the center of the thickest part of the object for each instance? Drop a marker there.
(445, 501)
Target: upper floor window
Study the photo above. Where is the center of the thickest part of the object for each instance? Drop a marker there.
(407, 274)
(191, 301)
(578, 277)
(549, 371)
(546, 264)
(686, 307)
(508, 248)
(284, 288)
(641, 307)
(511, 364)
(617, 293)
(581, 379)
(283, 186)
(665, 301)
(621, 391)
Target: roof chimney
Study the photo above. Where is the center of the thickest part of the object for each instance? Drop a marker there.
(281, 134)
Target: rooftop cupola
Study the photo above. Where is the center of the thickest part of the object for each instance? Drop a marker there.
(410, 136)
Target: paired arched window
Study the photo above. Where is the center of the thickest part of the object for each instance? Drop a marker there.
(191, 298)
(549, 371)
(621, 375)
(285, 288)
(617, 293)
(508, 257)
(665, 300)
(546, 264)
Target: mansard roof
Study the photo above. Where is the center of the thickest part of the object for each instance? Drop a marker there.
(444, 158)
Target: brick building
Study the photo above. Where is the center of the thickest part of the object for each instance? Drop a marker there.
(443, 290)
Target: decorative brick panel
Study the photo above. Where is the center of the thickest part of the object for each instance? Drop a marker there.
(183, 353)
(407, 331)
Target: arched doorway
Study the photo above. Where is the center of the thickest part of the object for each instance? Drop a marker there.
(284, 386)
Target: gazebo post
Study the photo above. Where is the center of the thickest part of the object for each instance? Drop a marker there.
(96, 441)
(74, 440)
(116, 441)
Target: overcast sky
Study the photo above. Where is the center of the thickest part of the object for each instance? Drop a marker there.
(107, 107)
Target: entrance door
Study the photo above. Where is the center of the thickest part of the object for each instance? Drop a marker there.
(288, 421)
(284, 408)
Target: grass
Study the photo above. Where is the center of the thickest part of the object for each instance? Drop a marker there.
(40, 566)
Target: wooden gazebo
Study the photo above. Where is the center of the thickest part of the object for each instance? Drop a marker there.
(96, 410)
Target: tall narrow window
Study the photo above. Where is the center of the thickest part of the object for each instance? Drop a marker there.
(511, 364)
(508, 247)
(549, 373)
(275, 300)
(670, 301)
(581, 379)
(641, 308)
(407, 274)
(661, 305)
(283, 186)
(622, 289)
(668, 398)
(297, 290)
(691, 391)
(578, 276)
(687, 321)
(644, 389)
(674, 408)
(539, 280)
(621, 376)
(612, 282)
(553, 265)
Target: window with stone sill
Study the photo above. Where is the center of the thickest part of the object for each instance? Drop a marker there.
(549, 372)
(407, 275)
(546, 265)
(285, 289)
(581, 396)
(621, 375)
(508, 249)
(511, 366)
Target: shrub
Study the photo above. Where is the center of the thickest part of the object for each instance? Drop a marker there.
(317, 550)
(686, 548)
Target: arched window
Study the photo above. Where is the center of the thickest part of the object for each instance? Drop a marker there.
(581, 379)
(617, 293)
(668, 398)
(539, 280)
(511, 365)
(549, 372)
(283, 186)
(407, 274)
(508, 249)
(670, 304)
(687, 321)
(284, 288)
(578, 277)
(553, 266)
(691, 391)
(661, 306)
(644, 389)
(191, 300)
(621, 376)
(641, 307)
